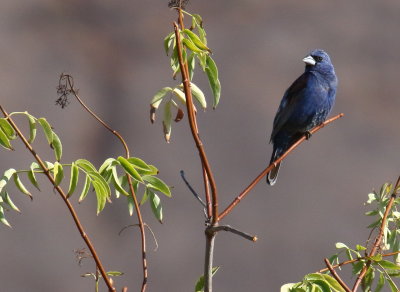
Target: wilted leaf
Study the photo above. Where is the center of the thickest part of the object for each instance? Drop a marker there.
(167, 121)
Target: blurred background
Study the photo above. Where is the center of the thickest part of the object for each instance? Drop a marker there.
(114, 51)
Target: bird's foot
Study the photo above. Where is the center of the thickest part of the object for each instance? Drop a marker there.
(308, 135)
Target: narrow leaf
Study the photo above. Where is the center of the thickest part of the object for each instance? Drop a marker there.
(156, 207)
(7, 129)
(21, 186)
(145, 196)
(57, 146)
(4, 141)
(128, 167)
(139, 163)
(200, 282)
(58, 173)
(85, 165)
(196, 40)
(73, 180)
(48, 132)
(6, 178)
(180, 95)
(32, 178)
(212, 74)
(191, 46)
(32, 128)
(8, 201)
(158, 184)
(131, 205)
(117, 183)
(389, 265)
(381, 283)
(157, 98)
(85, 189)
(101, 195)
(168, 41)
(333, 283)
(199, 95)
(3, 218)
(191, 65)
(167, 120)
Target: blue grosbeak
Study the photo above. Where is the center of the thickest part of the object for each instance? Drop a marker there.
(305, 104)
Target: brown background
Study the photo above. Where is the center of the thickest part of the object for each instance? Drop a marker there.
(114, 51)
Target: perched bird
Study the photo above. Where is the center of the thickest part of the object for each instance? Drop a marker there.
(305, 104)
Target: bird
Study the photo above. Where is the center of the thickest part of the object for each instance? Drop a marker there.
(305, 104)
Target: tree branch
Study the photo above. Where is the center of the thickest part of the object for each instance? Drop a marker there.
(234, 231)
(336, 276)
(69, 86)
(379, 238)
(245, 192)
(71, 209)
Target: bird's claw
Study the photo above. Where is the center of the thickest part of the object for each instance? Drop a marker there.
(308, 135)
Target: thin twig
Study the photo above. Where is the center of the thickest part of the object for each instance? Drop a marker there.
(148, 227)
(336, 276)
(379, 238)
(70, 84)
(233, 230)
(192, 190)
(271, 166)
(66, 201)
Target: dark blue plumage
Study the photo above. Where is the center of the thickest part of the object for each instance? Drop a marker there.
(305, 104)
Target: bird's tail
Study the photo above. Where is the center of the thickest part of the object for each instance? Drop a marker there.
(273, 174)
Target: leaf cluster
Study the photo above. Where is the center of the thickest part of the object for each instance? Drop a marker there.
(194, 44)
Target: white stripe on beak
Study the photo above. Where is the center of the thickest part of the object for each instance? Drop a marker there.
(309, 60)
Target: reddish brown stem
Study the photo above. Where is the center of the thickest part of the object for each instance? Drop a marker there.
(245, 192)
(193, 128)
(379, 238)
(207, 192)
(132, 191)
(66, 201)
(336, 276)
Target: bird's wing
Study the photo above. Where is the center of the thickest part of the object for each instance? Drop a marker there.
(289, 101)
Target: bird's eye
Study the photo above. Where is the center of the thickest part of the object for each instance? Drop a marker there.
(317, 58)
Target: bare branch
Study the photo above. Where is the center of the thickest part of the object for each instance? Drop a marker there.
(336, 276)
(233, 230)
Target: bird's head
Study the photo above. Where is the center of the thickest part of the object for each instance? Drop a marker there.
(318, 60)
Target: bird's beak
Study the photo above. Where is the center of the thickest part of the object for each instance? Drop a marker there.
(309, 60)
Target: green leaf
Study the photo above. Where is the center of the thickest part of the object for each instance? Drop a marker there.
(324, 286)
(313, 277)
(357, 267)
(196, 40)
(191, 46)
(139, 163)
(6, 178)
(212, 74)
(368, 279)
(57, 146)
(332, 282)
(285, 288)
(167, 120)
(7, 129)
(32, 128)
(31, 175)
(381, 283)
(340, 245)
(145, 196)
(101, 195)
(85, 165)
(202, 35)
(155, 204)
(85, 189)
(58, 173)
(114, 273)
(199, 95)
(73, 180)
(3, 218)
(191, 65)
(20, 185)
(392, 285)
(48, 132)
(123, 180)
(180, 95)
(131, 205)
(360, 247)
(8, 201)
(200, 282)
(168, 41)
(157, 98)
(128, 167)
(158, 184)
(389, 265)
(4, 141)
(117, 183)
